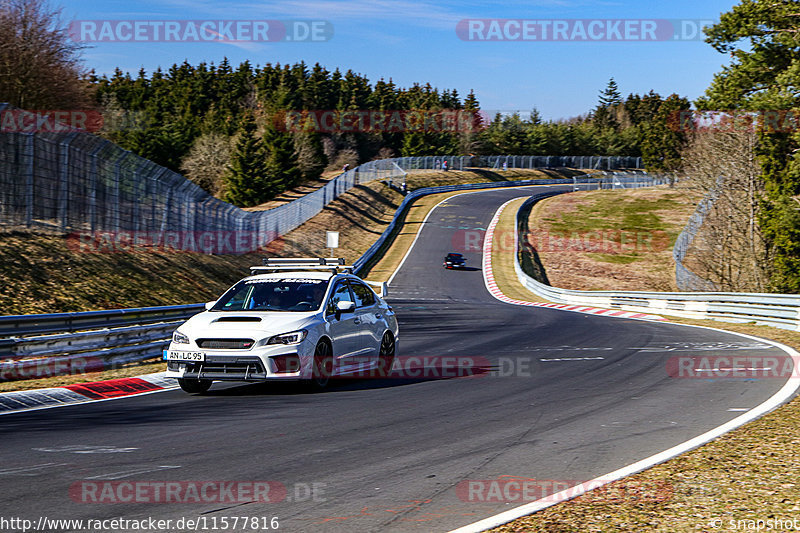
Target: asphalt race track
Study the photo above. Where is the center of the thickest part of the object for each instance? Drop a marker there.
(548, 395)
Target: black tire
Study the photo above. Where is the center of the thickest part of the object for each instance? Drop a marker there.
(386, 355)
(194, 386)
(321, 367)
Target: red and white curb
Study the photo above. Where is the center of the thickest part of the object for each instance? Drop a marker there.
(112, 389)
(494, 290)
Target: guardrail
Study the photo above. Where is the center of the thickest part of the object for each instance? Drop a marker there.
(36, 346)
(777, 310)
(46, 345)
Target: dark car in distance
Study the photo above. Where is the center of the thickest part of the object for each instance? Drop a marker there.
(454, 260)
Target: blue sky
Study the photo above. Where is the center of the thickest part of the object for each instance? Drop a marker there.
(416, 41)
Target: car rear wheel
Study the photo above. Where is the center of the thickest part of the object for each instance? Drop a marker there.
(386, 355)
(321, 366)
(194, 386)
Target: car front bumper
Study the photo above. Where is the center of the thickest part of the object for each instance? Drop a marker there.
(265, 366)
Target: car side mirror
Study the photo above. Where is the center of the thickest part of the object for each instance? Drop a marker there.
(344, 307)
(209, 305)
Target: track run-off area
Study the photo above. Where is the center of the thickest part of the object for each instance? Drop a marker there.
(507, 393)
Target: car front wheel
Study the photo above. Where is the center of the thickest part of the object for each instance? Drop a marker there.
(321, 366)
(386, 355)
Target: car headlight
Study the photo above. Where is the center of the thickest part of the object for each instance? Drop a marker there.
(294, 337)
(180, 338)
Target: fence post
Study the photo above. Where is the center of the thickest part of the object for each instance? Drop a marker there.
(93, 189)
(165, 217)
(63, 178)
(30, 148)
(115, 205)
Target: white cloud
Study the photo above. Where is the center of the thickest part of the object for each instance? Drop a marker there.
(421, 13)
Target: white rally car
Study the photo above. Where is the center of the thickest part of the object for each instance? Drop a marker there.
(293, 319)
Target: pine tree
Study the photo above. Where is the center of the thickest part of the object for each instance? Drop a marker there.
(662, 145)
(282, 169)
(470, 125)
(536, 141)
(604, 114)
(319, 90)
(247, 182)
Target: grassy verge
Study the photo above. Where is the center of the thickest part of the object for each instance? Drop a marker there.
(127, 371)
(503, 257)
(611, 239)
(728, 484)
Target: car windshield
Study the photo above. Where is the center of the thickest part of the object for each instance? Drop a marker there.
(453, 257)
(288, 294)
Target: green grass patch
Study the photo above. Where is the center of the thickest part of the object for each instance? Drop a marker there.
(602, 211)
(619, 259)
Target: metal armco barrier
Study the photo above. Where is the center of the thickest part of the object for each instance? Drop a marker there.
(777, 310)
(69, 322)
(36, 346)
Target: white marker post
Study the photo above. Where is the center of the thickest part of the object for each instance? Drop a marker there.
(333, 240)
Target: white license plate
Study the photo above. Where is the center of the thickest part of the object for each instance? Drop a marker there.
(174, 355)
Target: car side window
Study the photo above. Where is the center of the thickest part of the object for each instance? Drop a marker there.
(364, 296)
(239, 299)
(340, 294)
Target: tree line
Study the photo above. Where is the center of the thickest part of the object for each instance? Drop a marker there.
(225, 128)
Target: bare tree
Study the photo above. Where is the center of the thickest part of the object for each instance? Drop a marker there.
(39, 64)
(729, 249)
(348, 157)
(206, 162)
(310, 154)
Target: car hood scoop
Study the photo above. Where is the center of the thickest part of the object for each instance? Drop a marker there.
(210, 324)
(238, 319)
